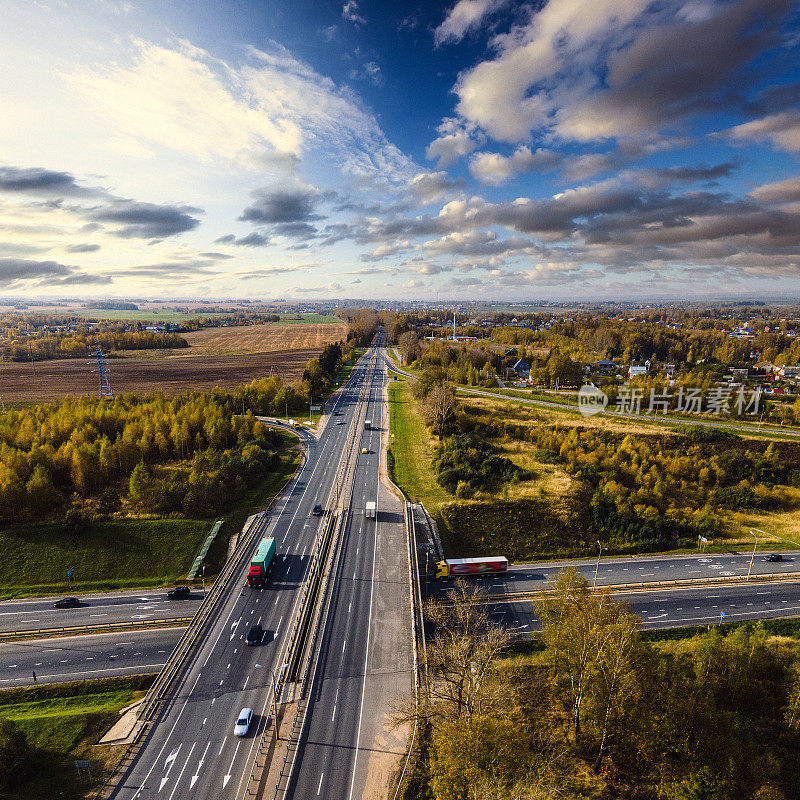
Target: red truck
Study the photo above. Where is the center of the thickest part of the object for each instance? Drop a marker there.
(455, 567)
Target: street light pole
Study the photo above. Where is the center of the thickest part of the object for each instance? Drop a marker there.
(752, 557)
(597, 566)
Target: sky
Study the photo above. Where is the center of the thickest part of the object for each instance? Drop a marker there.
(308, 150)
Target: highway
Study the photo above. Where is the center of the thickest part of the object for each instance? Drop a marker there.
(366, 657)
(75, 658)
(679, 608)
(633, 570)
(135, 606)
(192, 752)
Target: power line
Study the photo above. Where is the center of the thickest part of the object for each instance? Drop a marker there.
(103, 385)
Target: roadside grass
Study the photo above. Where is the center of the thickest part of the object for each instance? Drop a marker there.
(125, 553)
(411, 449)
(63, 722)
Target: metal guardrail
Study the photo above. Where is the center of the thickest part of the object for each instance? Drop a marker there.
(99, 627)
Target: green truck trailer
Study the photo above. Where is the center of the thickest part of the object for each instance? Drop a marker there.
(260, 563)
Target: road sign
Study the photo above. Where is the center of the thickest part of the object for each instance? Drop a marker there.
(70, 571)
(316, 408)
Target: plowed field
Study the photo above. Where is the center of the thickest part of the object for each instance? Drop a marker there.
(224, 357)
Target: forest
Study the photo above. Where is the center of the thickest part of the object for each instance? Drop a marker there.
(185, 455)
(594, 709)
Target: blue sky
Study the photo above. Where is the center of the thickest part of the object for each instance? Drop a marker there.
(621, 149)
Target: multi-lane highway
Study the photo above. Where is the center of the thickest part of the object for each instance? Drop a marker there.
(74, 658)
(365, 661)
(678, 608)
(192, 750)
(636, 570)
(137, 607)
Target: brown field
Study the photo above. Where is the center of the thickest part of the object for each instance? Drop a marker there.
(263, 338)
(173, 375)
(224, 357)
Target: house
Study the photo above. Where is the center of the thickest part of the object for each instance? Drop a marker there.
(511, 351)
(605, 367)
(669, 370)
(521, 368)
(789, 372)
(634, 371)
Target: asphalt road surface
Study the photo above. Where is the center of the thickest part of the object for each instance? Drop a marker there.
(680, 608)
(114, 607)
(77, 658)
(631, 570)
(192, 751)
(365, 659)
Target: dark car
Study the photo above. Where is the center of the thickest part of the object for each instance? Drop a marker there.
(317, 512)
(773, 557)
(67, 602)
(178, 593)
(254, 636)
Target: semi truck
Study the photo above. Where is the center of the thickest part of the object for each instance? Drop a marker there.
(370, 510)
(260, 563)
(457, 567)
(367, 424)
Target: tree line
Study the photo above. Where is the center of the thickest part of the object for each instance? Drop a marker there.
(595, 710)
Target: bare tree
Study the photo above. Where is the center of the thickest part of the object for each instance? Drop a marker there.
(462, 651)
(439, 407)
(408, 343)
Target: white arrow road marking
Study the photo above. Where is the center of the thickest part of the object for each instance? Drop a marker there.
(199, 767)
(182, 770)
(659, 616)
(168, 765)
(228, 776)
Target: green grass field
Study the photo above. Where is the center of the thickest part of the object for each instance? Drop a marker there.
(62, 722)
(410, 462)
(111, 553)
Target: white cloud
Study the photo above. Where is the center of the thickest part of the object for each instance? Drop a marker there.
(495, 169)
(456, 139)
(787, 191)
(350, 13)
(270, 106)
(464, 16)
(614, 68)
(781, 130)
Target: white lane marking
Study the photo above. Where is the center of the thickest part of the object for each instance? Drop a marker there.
(168, 764)
(199, 766)
(245, 682)
(319, 788)
(182, 771)
(228, 776)
(221, 748)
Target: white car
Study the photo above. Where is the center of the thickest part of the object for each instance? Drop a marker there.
(243, 723)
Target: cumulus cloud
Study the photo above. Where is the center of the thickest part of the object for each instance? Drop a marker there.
(495, 169)
(43, 273)
(781, 130)
(429, 186)
(586, 72)
(36, 180)
(145, 220)
(456, 139)
(463, 17)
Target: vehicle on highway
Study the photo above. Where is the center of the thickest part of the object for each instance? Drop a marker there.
(365, 450)
(178, 593)
(254, 636)
(243, 722)
(340, 422)
(491, 565)
(370, 510)
(260, 563)
(367, 424)
(317, 512)
(773, 557)
(67, 602)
